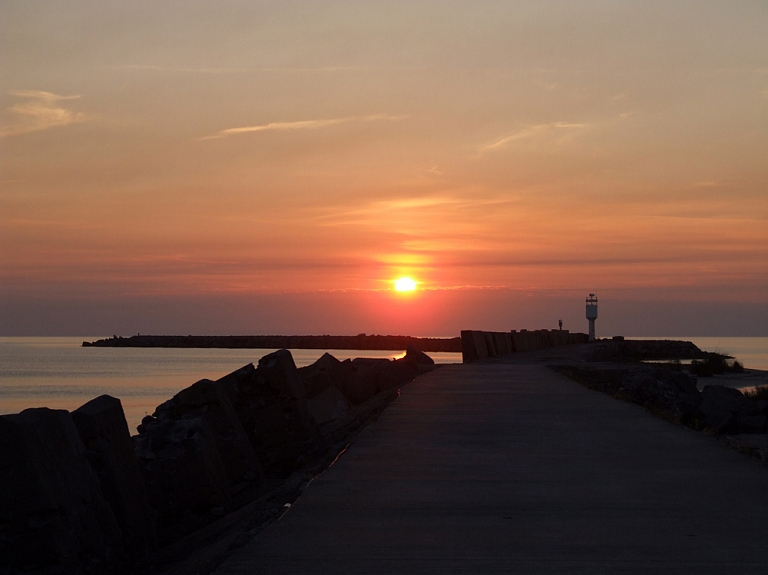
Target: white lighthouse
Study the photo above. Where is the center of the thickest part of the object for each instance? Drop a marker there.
(591, 314)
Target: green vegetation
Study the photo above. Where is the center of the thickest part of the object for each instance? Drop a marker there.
(714, 363)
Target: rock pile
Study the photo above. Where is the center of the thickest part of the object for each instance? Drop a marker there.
(642, 350)
(79, 495)
(653, 387)
(613, 367)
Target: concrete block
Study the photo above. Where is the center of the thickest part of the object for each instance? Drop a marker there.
(104, 432)
(468, 351)
(54, 515)
(328, 406)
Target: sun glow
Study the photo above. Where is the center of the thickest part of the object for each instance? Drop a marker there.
(405, 284)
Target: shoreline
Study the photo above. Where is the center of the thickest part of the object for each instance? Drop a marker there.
(749, 379)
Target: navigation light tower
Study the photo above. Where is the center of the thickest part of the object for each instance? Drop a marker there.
(591, 314)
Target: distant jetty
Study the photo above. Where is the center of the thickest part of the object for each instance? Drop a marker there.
(357, 342)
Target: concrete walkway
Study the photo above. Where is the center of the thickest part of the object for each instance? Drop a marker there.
(501, 468)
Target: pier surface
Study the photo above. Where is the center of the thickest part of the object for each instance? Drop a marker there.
(513, 468)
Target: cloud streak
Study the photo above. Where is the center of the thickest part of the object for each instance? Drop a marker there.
(40, 111)
(301, 125)
(279, 70)
(181, 69)
(420, 209)
(531, 132)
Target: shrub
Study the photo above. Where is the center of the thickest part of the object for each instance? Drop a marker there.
(757, 393)
(714, 363)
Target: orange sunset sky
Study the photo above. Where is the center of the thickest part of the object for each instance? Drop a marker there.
(273, 167)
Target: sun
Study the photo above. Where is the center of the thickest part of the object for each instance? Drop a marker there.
(405, 284)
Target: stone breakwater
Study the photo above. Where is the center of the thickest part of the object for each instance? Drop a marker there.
(478, 345)
(356, 342)
(81, 496)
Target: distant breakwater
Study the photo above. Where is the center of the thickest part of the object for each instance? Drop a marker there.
(356, 342)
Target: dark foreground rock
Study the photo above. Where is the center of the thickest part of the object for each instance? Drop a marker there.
(323, 381)
(271, 404)
(418, 357)
(207, 400)
(196, 459)
(327, 371)
(54, 516)
(184, 474)
(727, 410)
(104, 433)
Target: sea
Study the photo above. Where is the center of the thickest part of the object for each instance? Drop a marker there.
(57, 372)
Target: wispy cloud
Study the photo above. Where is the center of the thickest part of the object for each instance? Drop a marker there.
(317, 70)
(268, 70)
(300, 125)
(408, 214)
(379, 211)
(181, 69)
(531, 132)
(40, 111)
(707, 184)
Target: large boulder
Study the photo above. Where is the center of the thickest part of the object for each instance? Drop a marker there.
(208, 400)
(271, 404)
(670, 390)
(55, 518)
(374, 375)
(185, 476)
(316, 383)
(322, 380)
(329, 406)
(397, 372)
(363, 383)
(329, 364)
(719, 398)
(425, 363)
(104, 433)
(326, 371)
(727, 410)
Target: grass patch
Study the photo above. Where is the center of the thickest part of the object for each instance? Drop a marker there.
(715, 363)
(758, 393)
(673, 364)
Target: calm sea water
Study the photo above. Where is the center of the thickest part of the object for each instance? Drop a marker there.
(57, 372)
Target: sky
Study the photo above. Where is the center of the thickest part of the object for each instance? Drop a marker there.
(246, 167)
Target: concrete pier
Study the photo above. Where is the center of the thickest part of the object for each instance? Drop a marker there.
(513, 468)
